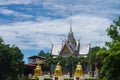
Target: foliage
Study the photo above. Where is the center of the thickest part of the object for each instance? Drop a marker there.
(11, 61)
(114, 30)
(48, 79)
(42, 53)
(48, 61)
(93, 59)
(69, 79)
(83, 61)
(62, 60)
(52, 79)
(21, 79)
(111, 55)
(33, 79)
(92, 79)
(26, 79)
(110, 69)
(92, 54)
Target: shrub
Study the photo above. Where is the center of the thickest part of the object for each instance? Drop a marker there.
(69, 79)
(33, 79)
(21, 79)
(92, 79)
(47, 78)
(26, 79)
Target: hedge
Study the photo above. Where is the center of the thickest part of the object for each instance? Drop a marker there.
(48, 79)
(91, 79)
(26, 79)
(69, 79)
(52, 79)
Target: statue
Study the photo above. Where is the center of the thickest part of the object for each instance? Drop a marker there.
(58, 70)
(78, 71)
(96, 72)
(38, 70)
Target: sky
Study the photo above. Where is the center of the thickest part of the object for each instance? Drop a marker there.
(32, 25)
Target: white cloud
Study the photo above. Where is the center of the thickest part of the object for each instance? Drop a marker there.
(7, 2)
(62, 7)
(37, 35)
(100, 8)
(14, 13)
(90, 20)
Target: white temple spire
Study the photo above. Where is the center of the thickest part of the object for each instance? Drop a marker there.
(70, 22)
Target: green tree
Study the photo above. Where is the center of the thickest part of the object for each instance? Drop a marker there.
(83, 61)
(11, 61)
(93, 59)
(42, 53)
(92, 54)
(61, 60)
(114, 30)
(111, 55)
(48, 61)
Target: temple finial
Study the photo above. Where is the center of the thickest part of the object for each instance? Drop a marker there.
(70, 22)
(70, 28)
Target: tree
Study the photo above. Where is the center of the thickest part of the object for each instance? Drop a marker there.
(60, 59)
(114, 30)
(93, 59)
(111, 55)
(49, 61)
(42, 53)
(11, 61)
(92, 54)
(83, 61)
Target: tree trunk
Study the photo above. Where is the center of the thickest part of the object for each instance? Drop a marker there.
(70, 69)
(50, 70)
(93, 69)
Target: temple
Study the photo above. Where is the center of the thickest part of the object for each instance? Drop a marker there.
(70, 47)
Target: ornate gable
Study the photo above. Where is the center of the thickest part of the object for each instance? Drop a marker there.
(70, 47)
(65, 51)
(71, 40)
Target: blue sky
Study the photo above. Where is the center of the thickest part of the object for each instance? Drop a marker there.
(33, 24)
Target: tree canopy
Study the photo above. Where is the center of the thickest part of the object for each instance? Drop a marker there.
(111, 55)
(11, 61)
(41, 53)
(92, 54)
(114, 30)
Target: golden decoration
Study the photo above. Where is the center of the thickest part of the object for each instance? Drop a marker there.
(58, 70)
(78, 71)
(38, 70)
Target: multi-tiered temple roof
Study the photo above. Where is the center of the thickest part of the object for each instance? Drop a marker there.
(71, 47)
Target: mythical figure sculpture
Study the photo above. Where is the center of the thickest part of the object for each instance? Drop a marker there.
(78, 71)
(58, 70)
(38, 70)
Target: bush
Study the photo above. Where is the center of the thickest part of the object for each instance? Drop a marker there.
(91, 79)
(33, 79)
(21, 79)
(69, 79)
(26, 79)
(48, 79)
